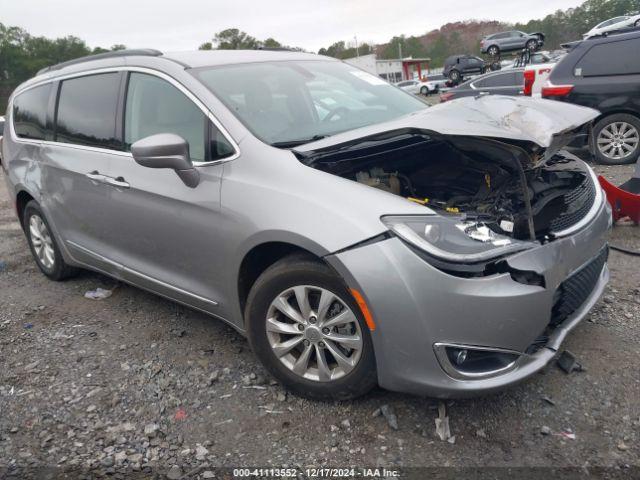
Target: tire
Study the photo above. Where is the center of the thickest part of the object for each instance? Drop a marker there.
(493, 51)
(637, 23)
(603, 139)
(43, 245)
(454, 76)
(312, 278)
(424, 91)
(531, 45)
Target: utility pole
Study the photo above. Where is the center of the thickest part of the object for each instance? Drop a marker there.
(357, 51)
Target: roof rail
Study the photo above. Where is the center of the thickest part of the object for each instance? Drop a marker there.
(144, 52)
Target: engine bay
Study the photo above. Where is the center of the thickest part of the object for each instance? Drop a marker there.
(471, 178)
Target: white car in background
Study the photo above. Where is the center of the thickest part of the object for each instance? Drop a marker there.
(417, 86)
(535, 76)
(615, 23)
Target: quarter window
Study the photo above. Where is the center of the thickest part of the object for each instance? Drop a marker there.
(613, 58)
(86, 113)
(155, 106)
(30, 113)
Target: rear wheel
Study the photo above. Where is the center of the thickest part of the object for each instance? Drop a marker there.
(616, 139)
(43, 246)
(307, 330)
(531, 45)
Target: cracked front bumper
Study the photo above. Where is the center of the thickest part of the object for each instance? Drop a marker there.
(415, 306)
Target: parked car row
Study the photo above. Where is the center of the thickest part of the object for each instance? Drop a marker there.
(601, 72)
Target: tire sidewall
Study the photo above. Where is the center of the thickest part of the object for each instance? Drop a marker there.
(57, 272)
(272, 283)
(494, 49)
(600, 125)
(454, 76)
(424, 91)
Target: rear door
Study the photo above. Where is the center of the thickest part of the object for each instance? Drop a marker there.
(74, 165)
(503, 83)
(166, 234)
(607, 76)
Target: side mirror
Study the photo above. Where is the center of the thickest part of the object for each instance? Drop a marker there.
(167, 150)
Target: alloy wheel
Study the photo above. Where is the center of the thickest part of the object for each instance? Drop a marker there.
(618, 140)
(41, 241)
(314, 333)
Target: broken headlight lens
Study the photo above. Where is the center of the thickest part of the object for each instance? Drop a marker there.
(453, 239)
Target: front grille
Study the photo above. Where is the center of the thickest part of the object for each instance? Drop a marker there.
(575, 290)
(577, 203)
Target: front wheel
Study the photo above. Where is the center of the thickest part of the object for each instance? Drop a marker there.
(531, 45)
(424, 91)
(616, 139)
(493, 51)
(308, 331)
(454, 76)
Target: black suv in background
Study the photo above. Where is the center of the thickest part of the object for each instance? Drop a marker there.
(604, 73)
(456, 67)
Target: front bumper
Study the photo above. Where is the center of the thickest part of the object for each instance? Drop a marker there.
(416, 306)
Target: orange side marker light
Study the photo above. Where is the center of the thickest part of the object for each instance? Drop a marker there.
(364, 309)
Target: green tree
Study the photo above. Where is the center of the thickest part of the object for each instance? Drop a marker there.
(234, 39)
(271, 43)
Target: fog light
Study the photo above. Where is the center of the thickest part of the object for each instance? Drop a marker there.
(461, 356)
(474, 362)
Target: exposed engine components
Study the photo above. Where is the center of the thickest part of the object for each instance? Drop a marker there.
(378, 178)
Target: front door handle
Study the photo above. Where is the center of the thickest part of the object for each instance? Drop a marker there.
(95, 176)
(116, 182)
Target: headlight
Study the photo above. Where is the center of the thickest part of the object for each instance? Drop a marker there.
(453, 240)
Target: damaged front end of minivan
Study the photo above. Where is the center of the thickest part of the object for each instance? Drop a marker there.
(492, 195)
(513, 238)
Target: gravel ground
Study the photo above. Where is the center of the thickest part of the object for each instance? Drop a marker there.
(136, 383)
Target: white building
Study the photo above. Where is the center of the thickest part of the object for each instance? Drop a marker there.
(391, 70)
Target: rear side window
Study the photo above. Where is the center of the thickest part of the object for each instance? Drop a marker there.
(30, 113)
(613, 58)
(86, 113)
(500, 80)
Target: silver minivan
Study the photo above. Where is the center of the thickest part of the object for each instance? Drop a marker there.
(354, 235)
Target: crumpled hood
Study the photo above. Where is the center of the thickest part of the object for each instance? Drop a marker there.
(542, 123)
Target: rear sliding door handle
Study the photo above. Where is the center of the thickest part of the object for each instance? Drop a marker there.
(116, 182)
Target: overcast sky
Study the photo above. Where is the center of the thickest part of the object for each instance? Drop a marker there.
(185, 24)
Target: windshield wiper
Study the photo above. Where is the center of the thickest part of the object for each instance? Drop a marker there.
(295, 143)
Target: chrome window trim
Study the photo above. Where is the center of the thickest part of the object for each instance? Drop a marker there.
(149, 71)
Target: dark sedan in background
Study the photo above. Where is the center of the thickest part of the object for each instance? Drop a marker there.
(503, 82)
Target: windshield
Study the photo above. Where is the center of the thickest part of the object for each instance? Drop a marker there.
(293, 102)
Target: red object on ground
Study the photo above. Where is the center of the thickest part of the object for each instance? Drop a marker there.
(180, 415)
(623, 203)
